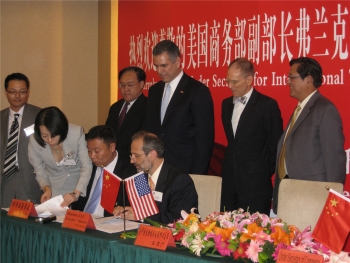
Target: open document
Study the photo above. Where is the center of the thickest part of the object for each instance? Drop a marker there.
(114, 225)
(109, 224)
(51, 207)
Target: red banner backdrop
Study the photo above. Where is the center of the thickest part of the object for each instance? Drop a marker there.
(210, 34)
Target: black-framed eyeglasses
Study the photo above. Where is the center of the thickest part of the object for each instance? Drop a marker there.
(15, 92)
(293, 77)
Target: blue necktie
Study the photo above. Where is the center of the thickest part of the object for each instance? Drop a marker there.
(165, 101)
(96, 195)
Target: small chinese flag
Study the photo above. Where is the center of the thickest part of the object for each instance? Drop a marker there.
(333, 226)
(110, 189)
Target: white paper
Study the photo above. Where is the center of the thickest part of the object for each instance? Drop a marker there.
(51, 206)
(108, 224)
(114, 225)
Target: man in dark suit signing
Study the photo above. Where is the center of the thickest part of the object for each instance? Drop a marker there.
(253, 125)
(128, 115)
(172, 189)
(180, 110)
(17, 174)
(312, 146)
(101, 146)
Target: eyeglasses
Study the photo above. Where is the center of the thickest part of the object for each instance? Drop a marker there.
(15, 92)
(135, 156)
(234, 82)
(129, 85)
(293, 77)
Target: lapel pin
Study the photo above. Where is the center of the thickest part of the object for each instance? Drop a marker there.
(181, 91)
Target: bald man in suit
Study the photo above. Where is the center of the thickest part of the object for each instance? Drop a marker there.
(253, 124)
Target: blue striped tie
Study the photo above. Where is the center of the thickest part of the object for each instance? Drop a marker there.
(96, 195)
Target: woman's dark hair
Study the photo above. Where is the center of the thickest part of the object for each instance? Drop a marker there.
(54, 120)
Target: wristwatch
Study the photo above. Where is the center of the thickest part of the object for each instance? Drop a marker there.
(76, 196)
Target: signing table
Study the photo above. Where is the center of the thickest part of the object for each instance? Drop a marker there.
(28, 241)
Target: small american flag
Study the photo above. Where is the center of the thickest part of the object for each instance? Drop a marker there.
(140, 196)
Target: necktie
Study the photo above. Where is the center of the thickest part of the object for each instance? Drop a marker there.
(96, 195)
(242, 100)
(122, 114)
(165, 101)
(11, 150)
(281, 161)
(152, 186)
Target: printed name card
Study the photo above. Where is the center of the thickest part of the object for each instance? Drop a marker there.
(154, 237)
(78, 220)
(21, 209)
(293, 256)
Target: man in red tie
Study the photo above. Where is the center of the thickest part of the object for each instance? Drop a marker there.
(128, 115)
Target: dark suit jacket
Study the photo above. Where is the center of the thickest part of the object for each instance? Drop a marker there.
(250, 157)
(179, 193)
(122, 170)
(315, 145)
(188, 125)
(134, 121)
(26, 175)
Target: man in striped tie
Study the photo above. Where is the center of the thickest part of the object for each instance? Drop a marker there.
(17, 174)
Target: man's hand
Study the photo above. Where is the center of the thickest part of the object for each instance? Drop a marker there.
(128, 213)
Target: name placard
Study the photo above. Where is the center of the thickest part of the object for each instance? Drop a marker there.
(21, 209)
(154, 237)
(78, 220)
(293, 256)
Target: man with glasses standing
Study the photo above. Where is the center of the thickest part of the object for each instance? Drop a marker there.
(312, 146)
(253, 125)
(128, 115)
(17, 174)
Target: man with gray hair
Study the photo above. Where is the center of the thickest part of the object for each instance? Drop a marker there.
(172, 189)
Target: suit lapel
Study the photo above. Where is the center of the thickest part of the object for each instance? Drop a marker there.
(66, 145)
(246, 113)
(229, 114)
(4, 135)
(303, 114)
(163, 178)
(27, 112)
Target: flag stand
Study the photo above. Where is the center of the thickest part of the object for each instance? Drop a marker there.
(124, 205)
